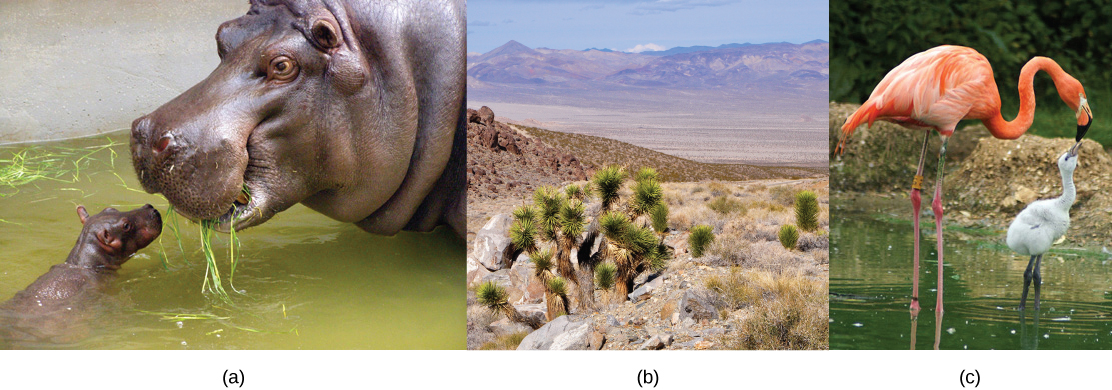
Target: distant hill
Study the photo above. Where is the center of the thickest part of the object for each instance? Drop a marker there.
(744, 66)
(597, 152)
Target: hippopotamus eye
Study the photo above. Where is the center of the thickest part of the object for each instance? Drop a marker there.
(283, 69)
(127, 226)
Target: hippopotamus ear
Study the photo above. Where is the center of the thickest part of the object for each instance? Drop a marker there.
(81, 213)
(325, 34)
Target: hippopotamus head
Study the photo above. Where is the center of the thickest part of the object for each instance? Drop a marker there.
(110, 237)
(350, 109)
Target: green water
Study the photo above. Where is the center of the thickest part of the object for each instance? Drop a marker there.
(870, 283)
(306, 281)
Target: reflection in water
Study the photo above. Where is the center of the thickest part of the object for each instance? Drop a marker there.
(305, 281)
(870, 287)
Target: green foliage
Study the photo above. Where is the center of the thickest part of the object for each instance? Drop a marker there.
(523, 234)
(647, 194)
(574, 192)
(525, 212)
(807, 211)
(658, 257)
(701, 237)
(605, 275)
(492, 296)
(557, 285)
(789, 235)
(607, 182)
(548, 201)
(572, 219)
(645, 173)
(725, 205)
(869, 38)
(614, 224)
(542, 260)
(659, 216)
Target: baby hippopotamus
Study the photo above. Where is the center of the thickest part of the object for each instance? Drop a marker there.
(45, 309)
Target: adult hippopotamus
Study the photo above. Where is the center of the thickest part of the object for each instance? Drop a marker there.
(355, 109)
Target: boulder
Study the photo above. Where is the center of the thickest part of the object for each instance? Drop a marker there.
(654, 343)
(505, 326)
(491, 241)
(563, 333)
(521, 276)
(646, 290)
(697, 306)
(535, 310)
(475, 271)
(486, 116)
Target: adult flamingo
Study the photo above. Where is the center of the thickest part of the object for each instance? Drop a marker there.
(936, 89)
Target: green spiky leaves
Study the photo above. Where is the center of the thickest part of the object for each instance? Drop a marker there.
(493, 296)
(789, 235)
(575, 192)
(607, 182)
(700, 238)
(659, 217)
(548, 202)
(647, 194)
(573, 218)
(807, 211)
(645, 173)
(523, 234)
(557, 285)
(605, 275)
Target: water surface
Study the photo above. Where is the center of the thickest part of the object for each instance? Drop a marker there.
(306, 281)
(870, 286)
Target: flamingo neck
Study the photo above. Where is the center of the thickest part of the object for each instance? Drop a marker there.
(1069, 193)
(1013, 129)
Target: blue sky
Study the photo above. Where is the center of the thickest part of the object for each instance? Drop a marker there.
(625, 24)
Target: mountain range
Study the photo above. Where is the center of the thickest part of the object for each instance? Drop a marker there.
(769, 66)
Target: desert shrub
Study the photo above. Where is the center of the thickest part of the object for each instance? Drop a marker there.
(762, 204)
(729, 248)
(659, 217)
(788, 236)
(492, 296)
(782, 195)
(733, 289)
(726, 205)
(718, 189)
(701, 235)
(807, 211)
(606, 183)
(574, 192)
(792, 314)
(809, 242)
(505, 342)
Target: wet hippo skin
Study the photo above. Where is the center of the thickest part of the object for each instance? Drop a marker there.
(353, 108)
(54, 306)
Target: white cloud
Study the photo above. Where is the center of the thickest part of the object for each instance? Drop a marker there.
(645, 47)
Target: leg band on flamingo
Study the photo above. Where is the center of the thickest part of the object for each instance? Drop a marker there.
(917, 184)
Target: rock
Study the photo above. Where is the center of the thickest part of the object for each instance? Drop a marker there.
(563, 333)
(473, 116)
(521, 275)
(486, 116)
(505, 326)
(668, 310)
(536, 310)
(695, 305)
(654, 343)
(646, 290)
(619, 334)
(675, 319)
(704, 344)
(475, 271)
(596, 340)
(490, 242)
(611, 321)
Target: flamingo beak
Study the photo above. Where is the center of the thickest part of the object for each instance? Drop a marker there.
(1084, 119)
(1074, 149)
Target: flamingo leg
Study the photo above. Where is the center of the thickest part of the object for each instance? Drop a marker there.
(916, 202)
(936, 205)
(1037, 278)
(1027, 275)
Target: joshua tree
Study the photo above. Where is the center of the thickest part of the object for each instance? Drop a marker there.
(700, 237)
(494, 297)
(659, 217)
(633, 249)
(645, 173)
(606, 275)
(807, 211)
(647, 194)
(557, 298)
(575, 192)
(607, 182)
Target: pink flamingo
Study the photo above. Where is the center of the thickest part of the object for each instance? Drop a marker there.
(936, 89)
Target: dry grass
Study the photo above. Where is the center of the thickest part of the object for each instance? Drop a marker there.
(505, 342)
(785, 311)
(726, 205)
